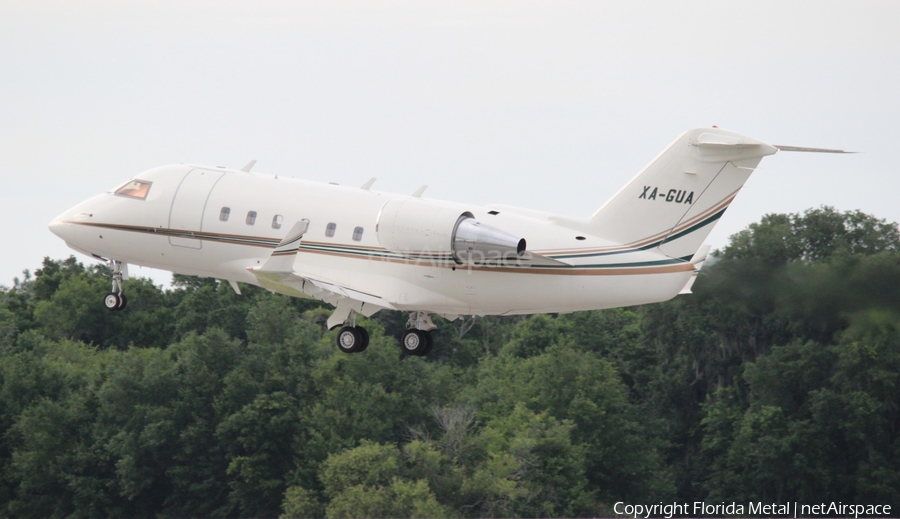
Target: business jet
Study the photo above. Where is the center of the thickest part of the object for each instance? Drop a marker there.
(363, 251)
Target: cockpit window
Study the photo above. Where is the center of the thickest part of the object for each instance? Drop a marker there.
(135, 189)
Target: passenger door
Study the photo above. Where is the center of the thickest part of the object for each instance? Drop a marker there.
(188, 206)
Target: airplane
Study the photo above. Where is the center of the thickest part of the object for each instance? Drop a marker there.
(363, 251)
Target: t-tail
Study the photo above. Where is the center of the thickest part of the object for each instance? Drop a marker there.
(675, 201)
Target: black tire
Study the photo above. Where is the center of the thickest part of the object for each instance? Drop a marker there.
(112, 302)
(349, 339)
(122, 302)
(365, 339)
(429, 339)
(414, 342)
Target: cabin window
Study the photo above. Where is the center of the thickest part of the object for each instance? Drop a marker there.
(134, 189)
(251, 217)
(357, 234)
(224, 214)
(276, 221)
(329, 229)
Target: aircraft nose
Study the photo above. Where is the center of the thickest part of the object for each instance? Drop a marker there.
(58, 227)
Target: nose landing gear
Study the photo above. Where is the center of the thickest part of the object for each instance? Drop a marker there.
(115, 300)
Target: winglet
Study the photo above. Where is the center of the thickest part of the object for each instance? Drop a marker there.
(368, 184)
(249, 166)
(418, 193)
(282, 258)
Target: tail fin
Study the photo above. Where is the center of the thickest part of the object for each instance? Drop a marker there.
(674, 202)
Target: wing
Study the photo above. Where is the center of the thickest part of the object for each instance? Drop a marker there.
(278, 275)
(368, 294)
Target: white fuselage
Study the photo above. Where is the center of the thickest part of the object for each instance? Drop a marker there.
(180, 226)
(363, 250)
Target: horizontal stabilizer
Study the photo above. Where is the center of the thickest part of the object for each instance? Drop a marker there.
(810, 150)
(712, 140)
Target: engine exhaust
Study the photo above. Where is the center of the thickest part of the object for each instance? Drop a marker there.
(476, 243)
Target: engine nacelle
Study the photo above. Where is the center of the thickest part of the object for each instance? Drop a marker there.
(477, 243)
(415, 228)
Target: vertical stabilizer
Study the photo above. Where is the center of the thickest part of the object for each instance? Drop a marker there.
(675, 201)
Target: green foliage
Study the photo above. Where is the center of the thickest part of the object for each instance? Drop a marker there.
(778, 380)
(816, 235)
(300, 503)
(368, 482)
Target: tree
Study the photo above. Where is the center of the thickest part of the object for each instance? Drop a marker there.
(367, 482)
(621, 458)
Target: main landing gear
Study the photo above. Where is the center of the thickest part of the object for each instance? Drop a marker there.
(417, 339)
(115, 300)
(352, 338)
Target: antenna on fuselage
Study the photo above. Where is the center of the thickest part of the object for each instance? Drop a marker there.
(249, 166)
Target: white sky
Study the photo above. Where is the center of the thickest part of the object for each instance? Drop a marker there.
(548, 105)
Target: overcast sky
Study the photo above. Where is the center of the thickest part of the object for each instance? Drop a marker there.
(548, 105)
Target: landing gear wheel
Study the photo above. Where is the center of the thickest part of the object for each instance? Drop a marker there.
(415, 342)
(112, 301)
(365, 338)
(115, 300)
(429, 338)
(350, 340)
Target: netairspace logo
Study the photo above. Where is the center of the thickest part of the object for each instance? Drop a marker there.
(758, 508)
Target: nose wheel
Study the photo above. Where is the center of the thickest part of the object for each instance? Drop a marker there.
(115, 300)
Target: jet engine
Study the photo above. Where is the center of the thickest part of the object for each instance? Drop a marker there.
(419, 228)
